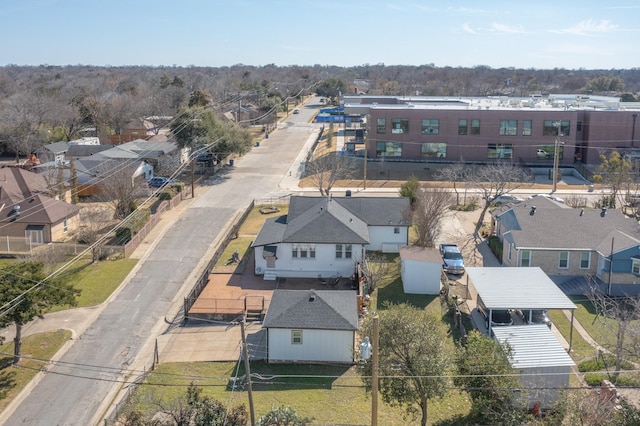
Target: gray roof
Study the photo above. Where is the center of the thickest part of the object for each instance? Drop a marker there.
(57, 147)
(86, 150)
(534, 346)
(564, 228)
(517, 288)
(313, 309)
(422, 254)
(271, 232)
(374, 211)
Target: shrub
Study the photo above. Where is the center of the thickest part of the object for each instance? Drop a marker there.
(599, 363)
(496, 246)
(594, 379)
(164, 196)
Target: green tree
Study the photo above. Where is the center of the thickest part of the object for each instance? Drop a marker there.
(484, 368)
(26, 293)
(410, 189)
(282, 416)
(614, 171)
(414, 358)
(198, 99)
(331, 88)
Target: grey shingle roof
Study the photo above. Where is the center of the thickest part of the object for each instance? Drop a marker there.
(564, 228)
(271, 232)
(374, 211)
(313, 309)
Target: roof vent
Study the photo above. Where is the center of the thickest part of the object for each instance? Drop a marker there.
(312, 297)
(533, 210)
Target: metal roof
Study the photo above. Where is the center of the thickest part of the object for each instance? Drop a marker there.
(533, 346)
(517, 288)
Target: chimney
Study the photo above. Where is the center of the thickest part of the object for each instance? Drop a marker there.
(603, 212)
(533, 210)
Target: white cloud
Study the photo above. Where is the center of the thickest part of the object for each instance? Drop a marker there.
(507, 29)
(588, 27)
(468, 29)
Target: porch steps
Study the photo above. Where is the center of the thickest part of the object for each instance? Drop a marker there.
(269, 276)
(253, 316)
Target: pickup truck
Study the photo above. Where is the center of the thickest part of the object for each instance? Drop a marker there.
(452, 260)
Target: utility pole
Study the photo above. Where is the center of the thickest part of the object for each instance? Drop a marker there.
(247, 370)
(374, 373)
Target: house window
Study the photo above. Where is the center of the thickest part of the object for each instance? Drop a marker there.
(381, 125)
(296, 337)
(303, 250)
(563, 263)
(347, 251)
(585, 260)
(550, 127)
(396, 230)
(475, 127)
(508, 127)
(399, 126)
(579, 126)
(525, 258)
(462, 127)
(312, 251)
(509, 252)
(338, 251)
(500, 150)
(65, 225)
(526, 127)
(433, 150)
(430, 127)
(294, 251)
(635, 266)
(388, 149)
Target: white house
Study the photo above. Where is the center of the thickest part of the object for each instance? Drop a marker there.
(311, 326)
(544, 365)
(420, 270)
(327, 236)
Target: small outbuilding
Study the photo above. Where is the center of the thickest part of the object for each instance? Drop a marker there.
(311, 326)
(544, 365)
(421, 270)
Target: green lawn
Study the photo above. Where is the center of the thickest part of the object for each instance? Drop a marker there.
(255, 219)
(242, 244)
(580, 349)
(97, 281)
(38, 346)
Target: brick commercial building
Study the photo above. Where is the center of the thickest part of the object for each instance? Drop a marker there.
(484, 129)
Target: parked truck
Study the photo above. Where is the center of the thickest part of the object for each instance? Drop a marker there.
(452, 260)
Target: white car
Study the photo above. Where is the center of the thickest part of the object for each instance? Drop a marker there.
(551, 197)
(505, 199)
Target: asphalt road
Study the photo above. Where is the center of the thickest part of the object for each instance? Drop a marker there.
(79, 388)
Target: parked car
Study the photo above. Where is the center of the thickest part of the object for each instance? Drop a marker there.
(551, 197)
(505, 199)
(159, 182)
(296, 111)
(452, 260)
(543, 154)
(536, 316)
(499, 317)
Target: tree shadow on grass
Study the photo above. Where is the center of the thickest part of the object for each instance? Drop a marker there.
(278, 377)
(7, 376)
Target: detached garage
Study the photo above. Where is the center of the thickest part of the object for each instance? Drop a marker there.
(421, 270)
(543, 363)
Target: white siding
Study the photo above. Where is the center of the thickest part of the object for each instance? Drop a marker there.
(383, 237)
(419, 277)
(324, 264)
(317, 345)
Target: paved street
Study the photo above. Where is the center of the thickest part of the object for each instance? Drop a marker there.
(119, 343)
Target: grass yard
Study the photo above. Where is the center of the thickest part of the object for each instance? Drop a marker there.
(580, 349)
(38, 346)
(329, 394)
(97, 281)
(243, 245)
(255, 219)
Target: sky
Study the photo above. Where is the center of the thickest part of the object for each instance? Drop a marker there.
(503, 33)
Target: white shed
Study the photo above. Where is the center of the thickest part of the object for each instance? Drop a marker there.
(311, 326)
(544, 365)
(421, 270)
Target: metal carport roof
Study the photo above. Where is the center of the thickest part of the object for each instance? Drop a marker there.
(517, 288)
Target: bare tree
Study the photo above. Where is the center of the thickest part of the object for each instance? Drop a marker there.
(494, 180)
(376, 268)
(326, 170)
(431, 208)
(118, 188)
(620, 316)
(455, 173)
(95, 222)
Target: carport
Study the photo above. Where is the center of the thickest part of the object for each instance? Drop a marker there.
(518, 288)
